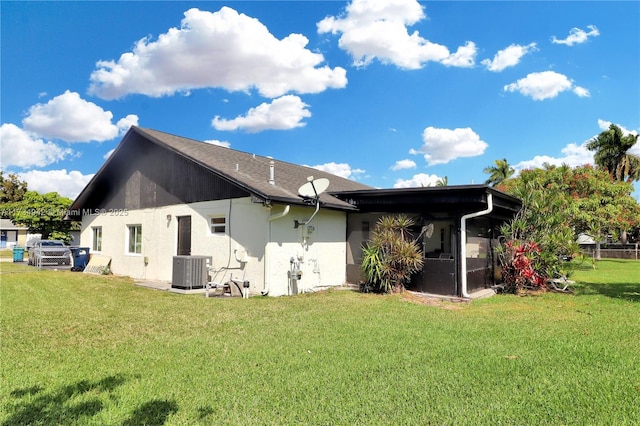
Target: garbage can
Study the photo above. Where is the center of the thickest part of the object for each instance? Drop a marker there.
(18, 254)
(80, 257)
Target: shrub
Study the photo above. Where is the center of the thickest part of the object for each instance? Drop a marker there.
(391, 256)
(520, 266)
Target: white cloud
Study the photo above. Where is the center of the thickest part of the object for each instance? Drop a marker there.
(216, 142)
(581, 91)
(21, 149)
(72, 119)
(68, 184)
(223, 49)
(573, 155)
(464, 57)
(373, 29)
(443, 145)
(283, 113)
(544, 85)
(339, 169)
(417, 181)
(108, 154)
(404, 164)
(508, 57)
(577, 36)
(124, 124)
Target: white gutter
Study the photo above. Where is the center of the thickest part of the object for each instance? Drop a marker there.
(267, 255)
(463, 242)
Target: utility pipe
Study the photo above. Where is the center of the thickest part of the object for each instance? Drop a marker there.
(267, 254)
(463, 242)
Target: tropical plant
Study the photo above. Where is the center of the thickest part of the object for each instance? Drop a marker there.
(612, 153)
(443, 181)
(499, 172)
(392, 255)
(520, 267)
(541, 223)
(561, 202)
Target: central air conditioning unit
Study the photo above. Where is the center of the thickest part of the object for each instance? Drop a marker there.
(190, 272)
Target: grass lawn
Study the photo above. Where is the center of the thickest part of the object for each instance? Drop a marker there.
(6, 253)
(83, 349)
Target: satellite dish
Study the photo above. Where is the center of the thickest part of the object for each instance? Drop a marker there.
(314, 187)
(312, 190)
(427, 231)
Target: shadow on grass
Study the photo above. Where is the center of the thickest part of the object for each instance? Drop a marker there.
(205, 413)
(630, 292)
(77, 403)
(152, 413)
(59, 406)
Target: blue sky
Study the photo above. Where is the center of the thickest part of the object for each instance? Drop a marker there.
(391, 93)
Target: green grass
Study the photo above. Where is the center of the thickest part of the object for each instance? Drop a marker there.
(6, 253)
(83, 349)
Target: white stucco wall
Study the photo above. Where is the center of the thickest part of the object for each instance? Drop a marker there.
(267, 245)
(320, 254)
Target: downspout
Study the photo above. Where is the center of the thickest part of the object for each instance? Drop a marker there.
(463, 242)
(267, 256)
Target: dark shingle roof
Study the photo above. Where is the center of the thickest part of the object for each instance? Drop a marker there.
(251, 171)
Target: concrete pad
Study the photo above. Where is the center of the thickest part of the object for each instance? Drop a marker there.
(155, 285)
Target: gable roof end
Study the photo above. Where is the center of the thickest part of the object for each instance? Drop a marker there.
(247, 171)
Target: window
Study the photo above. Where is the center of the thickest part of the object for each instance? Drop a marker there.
(97, 238)
(218, 224)
(135, 239)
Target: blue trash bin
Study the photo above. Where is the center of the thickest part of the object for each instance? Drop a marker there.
(80, 257)
(18, 254)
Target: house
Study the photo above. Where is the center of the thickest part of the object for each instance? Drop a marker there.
(160, 197)
(12, 235)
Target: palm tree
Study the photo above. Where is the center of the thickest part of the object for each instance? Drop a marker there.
(444, 181)
(501, 171)
(612, 154)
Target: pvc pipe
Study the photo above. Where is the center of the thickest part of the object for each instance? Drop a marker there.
(267, 255)
(463, 242)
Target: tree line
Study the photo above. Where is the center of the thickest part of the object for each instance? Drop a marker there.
(561, 202)
(41, 213)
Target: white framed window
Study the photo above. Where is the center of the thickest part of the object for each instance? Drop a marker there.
(134, 239)
(97, 238)
(218, 225)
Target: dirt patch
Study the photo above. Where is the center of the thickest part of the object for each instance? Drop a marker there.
(431, 301)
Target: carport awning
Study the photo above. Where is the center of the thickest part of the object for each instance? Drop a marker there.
(455, 200)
